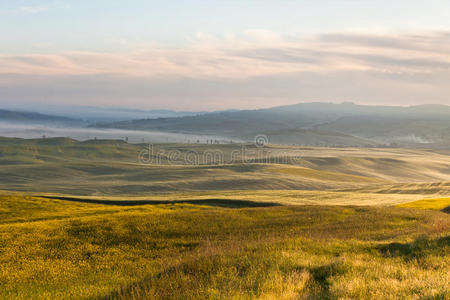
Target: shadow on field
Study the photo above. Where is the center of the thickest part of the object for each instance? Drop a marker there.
(320, 282)
(227, 203)
(418, 249)
(187, 276)
(446, 210)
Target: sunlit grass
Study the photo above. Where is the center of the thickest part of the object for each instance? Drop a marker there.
(436, 204)
(62, 250)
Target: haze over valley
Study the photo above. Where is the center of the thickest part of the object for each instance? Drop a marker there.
(306, 124)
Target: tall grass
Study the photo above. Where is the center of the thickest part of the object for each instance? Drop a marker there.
(185, 251)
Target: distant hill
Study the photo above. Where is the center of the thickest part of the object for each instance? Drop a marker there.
(24, 117)
(316, 124)
(92, 114)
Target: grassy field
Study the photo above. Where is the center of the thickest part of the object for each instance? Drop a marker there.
(55, 249)
(101, 167)
(87, 220)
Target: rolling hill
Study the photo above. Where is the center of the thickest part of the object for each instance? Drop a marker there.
(316, 124)
(91, 220)
(114, 167)
(24, 117)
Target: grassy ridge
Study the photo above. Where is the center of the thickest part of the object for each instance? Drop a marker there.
(62, 250)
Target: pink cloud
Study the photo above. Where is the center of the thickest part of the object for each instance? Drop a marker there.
(256, 53)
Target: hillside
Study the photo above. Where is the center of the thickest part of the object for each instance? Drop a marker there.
(24, 117)
(100, 220)
(317, 124)
(113, 167)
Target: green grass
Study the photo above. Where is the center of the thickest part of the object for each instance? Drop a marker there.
(436, 204)
(55, 249)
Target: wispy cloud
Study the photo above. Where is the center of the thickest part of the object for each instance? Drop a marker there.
(32, 9)
(248, 70)
(253, 54)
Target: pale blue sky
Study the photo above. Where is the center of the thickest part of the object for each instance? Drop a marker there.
(39, 38)
(49, 25)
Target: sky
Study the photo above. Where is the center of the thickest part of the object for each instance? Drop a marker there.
(212, 55)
